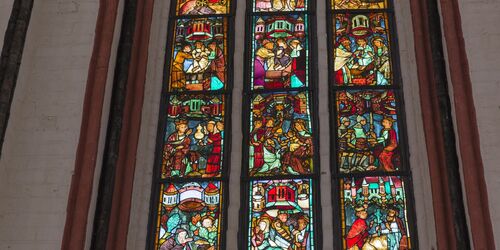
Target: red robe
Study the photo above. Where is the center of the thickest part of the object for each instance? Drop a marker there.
(258, 151)
(357, 234)
(386, 155)
(213, 162)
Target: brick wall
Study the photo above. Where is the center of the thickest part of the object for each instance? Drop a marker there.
(40, 144)
(480, 19)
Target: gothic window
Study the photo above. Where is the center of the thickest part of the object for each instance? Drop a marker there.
(371, 174)
(191, 169)
(280, 168)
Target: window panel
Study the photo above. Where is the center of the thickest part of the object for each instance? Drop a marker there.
(375, 206)
(368, 133)
(371, 163)
(279, 5)
(199, 55)
(281, 214)
(190, 178)
(280, 140)
(359, 4)
(362, 49)
(203, 7)
(190, 215)
(280, 163)
(194, 136)
(280, 51)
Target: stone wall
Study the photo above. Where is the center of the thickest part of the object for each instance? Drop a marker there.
(44, 126)
(480, 19)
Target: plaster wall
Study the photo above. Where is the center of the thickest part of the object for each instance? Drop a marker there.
(40, 145)
(5, 11)
(482, 40)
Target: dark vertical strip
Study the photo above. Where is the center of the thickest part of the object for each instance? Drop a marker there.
(113, 135)
(10, 62)
(446, 119)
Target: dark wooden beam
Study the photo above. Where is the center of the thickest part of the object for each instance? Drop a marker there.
(10, 61)
(114, 130)
(445, 109)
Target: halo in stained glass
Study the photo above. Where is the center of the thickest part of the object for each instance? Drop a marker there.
(280, 51)
(281, 214)
(359, 4)
(362, 49)
(374, 213)
(280, 140)
(368, 131)
(189, 216)
(199, 54)
(279, 5)
(194, 139)
(203, 7)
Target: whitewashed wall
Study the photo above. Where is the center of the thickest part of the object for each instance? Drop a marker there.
(44, 126)
(480, 20)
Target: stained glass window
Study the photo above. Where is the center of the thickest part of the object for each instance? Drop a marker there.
(358, 4)
(203, 7)
(371, 175)
(280, 167)
(190, 178)
(280, 51)
(199, 54)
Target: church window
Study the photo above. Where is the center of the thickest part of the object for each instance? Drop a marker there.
(371, 173)
(280, 169)
(191, 170)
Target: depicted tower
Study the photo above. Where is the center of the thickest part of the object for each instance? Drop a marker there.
(365, 192)
(393, 189)
(212, 196)
(260, 29)
(300, 28)
(303, 197)
(353, 191)
(180, 32)
(218, 30)
(170, 197)
(383, 195)
(258, 200)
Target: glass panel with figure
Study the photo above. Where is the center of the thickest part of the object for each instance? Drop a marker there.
(279, 5)
(281, 214)
(203, 7)
(280, 51)
(374, 214)
(280, 139)
(359, 4)
(368, 132)
(199, 54)
(189, 216)
(194, 136)
(362, 49)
